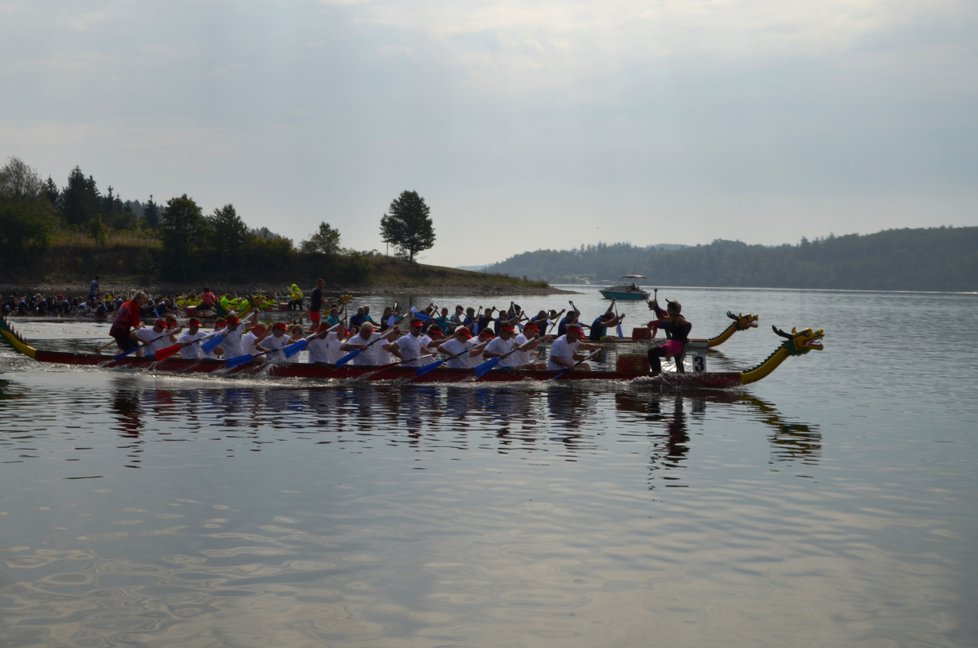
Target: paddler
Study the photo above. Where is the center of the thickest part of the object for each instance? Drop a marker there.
(126, 322)
(153, 339)
(502, 346)
(565, 351)
(273, 344)
(458, 345)
(677, 329)
(373, 353)
(408, 348)
(190, 340)
(325, 347)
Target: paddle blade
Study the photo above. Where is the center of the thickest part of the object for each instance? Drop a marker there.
(429, 367)
(349, 356)
(120, 356)
(291, 349)
(484, 368)
(165, 353)
(212, 343)
(237, 361)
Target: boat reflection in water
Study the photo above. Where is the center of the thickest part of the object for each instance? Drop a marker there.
(673, 414)
(567, 421)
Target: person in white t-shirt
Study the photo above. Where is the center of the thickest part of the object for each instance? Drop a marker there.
(528, 340)
(372, 352)
(190, 340)
(503, 346)
(565, 352)
(153, 339)
(273, 344)
(461, 353)
(324, 348)
(250, 340)
(409, 348)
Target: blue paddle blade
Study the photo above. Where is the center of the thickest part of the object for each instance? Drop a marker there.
(291, 349)
(120, 356)
(212, 343)
(349, 356)
(429, 367)
(486, 366)
(239, 360)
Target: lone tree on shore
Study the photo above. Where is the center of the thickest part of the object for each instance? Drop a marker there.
(407, 225)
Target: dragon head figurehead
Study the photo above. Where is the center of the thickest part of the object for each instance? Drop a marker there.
(801, 342)
(743, 321)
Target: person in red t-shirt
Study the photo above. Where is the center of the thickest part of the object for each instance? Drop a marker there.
(127, 320)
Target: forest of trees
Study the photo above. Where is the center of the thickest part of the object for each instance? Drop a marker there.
(941, 258)
(176, 240)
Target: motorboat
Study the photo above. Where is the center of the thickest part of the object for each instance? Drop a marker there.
(627, 290)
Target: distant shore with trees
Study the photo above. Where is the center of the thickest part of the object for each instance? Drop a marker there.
(59, 238)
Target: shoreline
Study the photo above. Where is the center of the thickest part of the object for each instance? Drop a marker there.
(75, 289)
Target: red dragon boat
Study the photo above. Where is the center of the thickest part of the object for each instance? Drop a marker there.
(629, 367)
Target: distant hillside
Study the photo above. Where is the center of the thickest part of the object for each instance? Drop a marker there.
(944, 258)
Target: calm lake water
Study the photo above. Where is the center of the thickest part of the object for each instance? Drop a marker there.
(832, 504)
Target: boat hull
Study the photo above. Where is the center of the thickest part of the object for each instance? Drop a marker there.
(619, 294)
(325, 372)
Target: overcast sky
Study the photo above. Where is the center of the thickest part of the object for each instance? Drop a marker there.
(523, 124)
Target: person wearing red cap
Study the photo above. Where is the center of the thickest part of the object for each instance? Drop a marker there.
(273, 344)
(409, 348)
(250, 337)
(190, 340)
(153, 339)
(219, 325)
(464, 347)
(324, 348)
(231, 344)
(529, 339)
(503, 346)
(565, 351)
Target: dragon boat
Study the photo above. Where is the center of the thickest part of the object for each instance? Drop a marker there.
(628, 367)
(741, 322)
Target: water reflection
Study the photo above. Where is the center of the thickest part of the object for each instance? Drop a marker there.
(671, 414)
(566, 421)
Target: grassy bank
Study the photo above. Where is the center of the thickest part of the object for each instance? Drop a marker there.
(125, 265)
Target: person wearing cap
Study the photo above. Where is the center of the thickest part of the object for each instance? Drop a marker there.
(529, 339)
(153, 339)
(502, 345)
(127, 321)
(324, 348)
(409, 348)
(273, 344)
(251, 336)
(464, 347)
(373, 353)
(189, 341)
(565, 352)
(231, 344)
